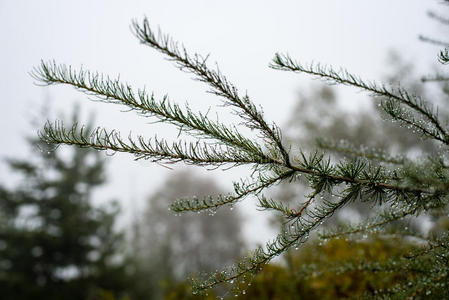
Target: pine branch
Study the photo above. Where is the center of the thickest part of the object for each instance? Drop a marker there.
(154, 150)
(270, 204)
(409, 190)
(323, 175)
(220, 86)
(241, 191)
(295, 215)
(433, 41)
(427, 250)
(438, 18)
(443, 57)
(435, 78)
(385, 217)
(397, 112)
(399, 95)
(113, 91)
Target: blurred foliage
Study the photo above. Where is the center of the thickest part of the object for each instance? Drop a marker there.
(169, 247)
(54, 243)
(330, 281)
(315, 272)
(183, 290)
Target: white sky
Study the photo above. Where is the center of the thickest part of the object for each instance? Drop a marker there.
(242, 36)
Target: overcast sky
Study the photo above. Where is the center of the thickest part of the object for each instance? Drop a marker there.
(241, 36)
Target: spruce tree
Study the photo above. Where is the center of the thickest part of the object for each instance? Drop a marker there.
(54, 244)
(396, 186)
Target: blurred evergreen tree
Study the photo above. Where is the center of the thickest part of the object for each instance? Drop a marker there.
(54, 244)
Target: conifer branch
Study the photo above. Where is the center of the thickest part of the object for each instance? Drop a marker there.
(154, 150)
(438, 18)
(397, 112)
(409, 190)
(443, 57)
(399, 95)
(430, 248)
(270, 204)
(113, 91)
(435, 78)
(433, 41)
(241, 190)
(385, 217)
(296, 215)
(220, 85)
(323, 175)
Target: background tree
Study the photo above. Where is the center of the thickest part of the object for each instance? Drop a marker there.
(54, 244)
(170, 247)
(409, 187)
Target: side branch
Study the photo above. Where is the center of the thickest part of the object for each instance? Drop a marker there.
(158, 150)
(387, 218)
(359, 181)
(241, 192)
(284, 62)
